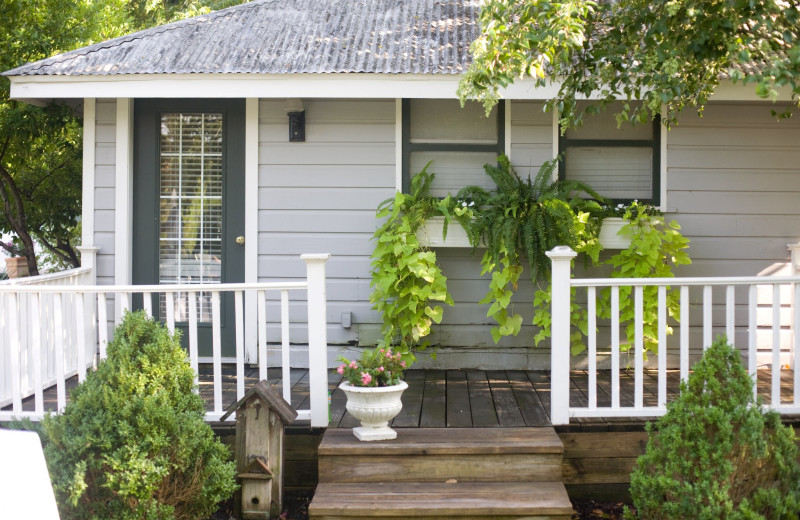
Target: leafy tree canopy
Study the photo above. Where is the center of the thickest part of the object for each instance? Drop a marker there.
(670, 53)
(41, 148)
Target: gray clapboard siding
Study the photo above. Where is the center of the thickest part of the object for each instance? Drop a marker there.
(321, 195)
(733, 181)
(105, 163)
(531, 137)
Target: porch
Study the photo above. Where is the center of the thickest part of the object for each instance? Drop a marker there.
(461, 398)
(55, 328)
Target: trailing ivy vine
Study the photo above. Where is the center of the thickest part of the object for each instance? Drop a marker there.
(406, 282)
(656, 248)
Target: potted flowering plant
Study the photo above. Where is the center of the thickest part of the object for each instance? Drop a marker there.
(16, 264)
(373, 386)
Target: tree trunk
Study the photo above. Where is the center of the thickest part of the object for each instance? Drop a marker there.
(15, 213)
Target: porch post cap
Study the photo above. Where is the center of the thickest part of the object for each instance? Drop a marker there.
(316, 257)
(561, 252)
(796, 245)
(88, 249)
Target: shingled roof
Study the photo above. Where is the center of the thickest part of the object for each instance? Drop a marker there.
(288, 37)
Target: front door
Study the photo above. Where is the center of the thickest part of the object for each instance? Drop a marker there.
(188, 200)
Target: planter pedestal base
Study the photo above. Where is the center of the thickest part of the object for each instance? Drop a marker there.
(384, 433)
(374, 406)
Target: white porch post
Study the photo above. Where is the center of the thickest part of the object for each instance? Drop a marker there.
(251, 227)
(90, 315)
(561, 257)
(123, 193)
(89, 259)
(317, 338)
(87, 206)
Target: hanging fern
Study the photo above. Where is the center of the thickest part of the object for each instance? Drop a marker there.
(526, 218)
(530, 217)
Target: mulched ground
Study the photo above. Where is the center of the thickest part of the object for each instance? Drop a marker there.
(597, 510)
(295, 507)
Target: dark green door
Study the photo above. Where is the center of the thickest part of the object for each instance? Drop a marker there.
(188, 200)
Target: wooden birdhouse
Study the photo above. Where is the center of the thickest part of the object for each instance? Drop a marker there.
(261, 415)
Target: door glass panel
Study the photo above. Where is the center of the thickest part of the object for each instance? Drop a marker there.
(190, 206)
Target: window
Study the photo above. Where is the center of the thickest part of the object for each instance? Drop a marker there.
(190, 205)
(458, 140)
(622, 163)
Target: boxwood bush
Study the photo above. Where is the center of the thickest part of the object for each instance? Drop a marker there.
(132, 442)
(716, 453)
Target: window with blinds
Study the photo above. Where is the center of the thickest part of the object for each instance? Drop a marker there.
(457, 141)
(190, 205)
(619, 163)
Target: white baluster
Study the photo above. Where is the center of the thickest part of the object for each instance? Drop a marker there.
(239, 315)
(707, 317)
(776, 346)
(592, 310)
(262, 335)
(216, 346)
(638, 303)
(662, 346)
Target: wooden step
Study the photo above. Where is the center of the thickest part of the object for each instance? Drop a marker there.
(441, 454)
(429, 501)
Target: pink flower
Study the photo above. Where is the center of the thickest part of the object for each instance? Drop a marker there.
(381, 351)
(353, 364)
(340, 369)
(365, 378)
(380, 369)
(403, 364)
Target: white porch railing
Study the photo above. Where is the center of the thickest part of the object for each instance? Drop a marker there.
(38, 320)
(34, 361)
(562, 283)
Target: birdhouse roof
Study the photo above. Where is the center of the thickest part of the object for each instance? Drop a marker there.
(264, 391)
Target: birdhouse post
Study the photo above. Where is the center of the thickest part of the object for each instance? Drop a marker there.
(261, 415)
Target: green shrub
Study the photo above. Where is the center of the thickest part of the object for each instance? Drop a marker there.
(132, 442)
(716, 453)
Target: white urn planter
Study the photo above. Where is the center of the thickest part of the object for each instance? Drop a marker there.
(374, 406)
(610, 236)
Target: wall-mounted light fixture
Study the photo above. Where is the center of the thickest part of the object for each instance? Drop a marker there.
(297, 120)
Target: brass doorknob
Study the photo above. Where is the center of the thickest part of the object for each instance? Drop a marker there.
(240, 240)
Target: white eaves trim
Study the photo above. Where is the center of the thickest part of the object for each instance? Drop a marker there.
(39, 89)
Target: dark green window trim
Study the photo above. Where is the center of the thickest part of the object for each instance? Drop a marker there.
(655, 144)
(409, 147)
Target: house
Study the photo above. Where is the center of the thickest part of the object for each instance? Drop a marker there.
(219, 148)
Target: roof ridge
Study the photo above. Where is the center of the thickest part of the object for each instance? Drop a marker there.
(138, 35)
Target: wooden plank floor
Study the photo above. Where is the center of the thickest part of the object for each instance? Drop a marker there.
(466, 398)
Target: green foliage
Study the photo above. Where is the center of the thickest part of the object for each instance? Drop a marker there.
(669, 54)
(656, 248)
(406, 282)
(377, 367)
(543, 319)
(505, 277)
(525, 218)
(132, 443)
(41, 148)
(716, 454)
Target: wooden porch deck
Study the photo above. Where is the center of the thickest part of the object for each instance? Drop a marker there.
(467, 398)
